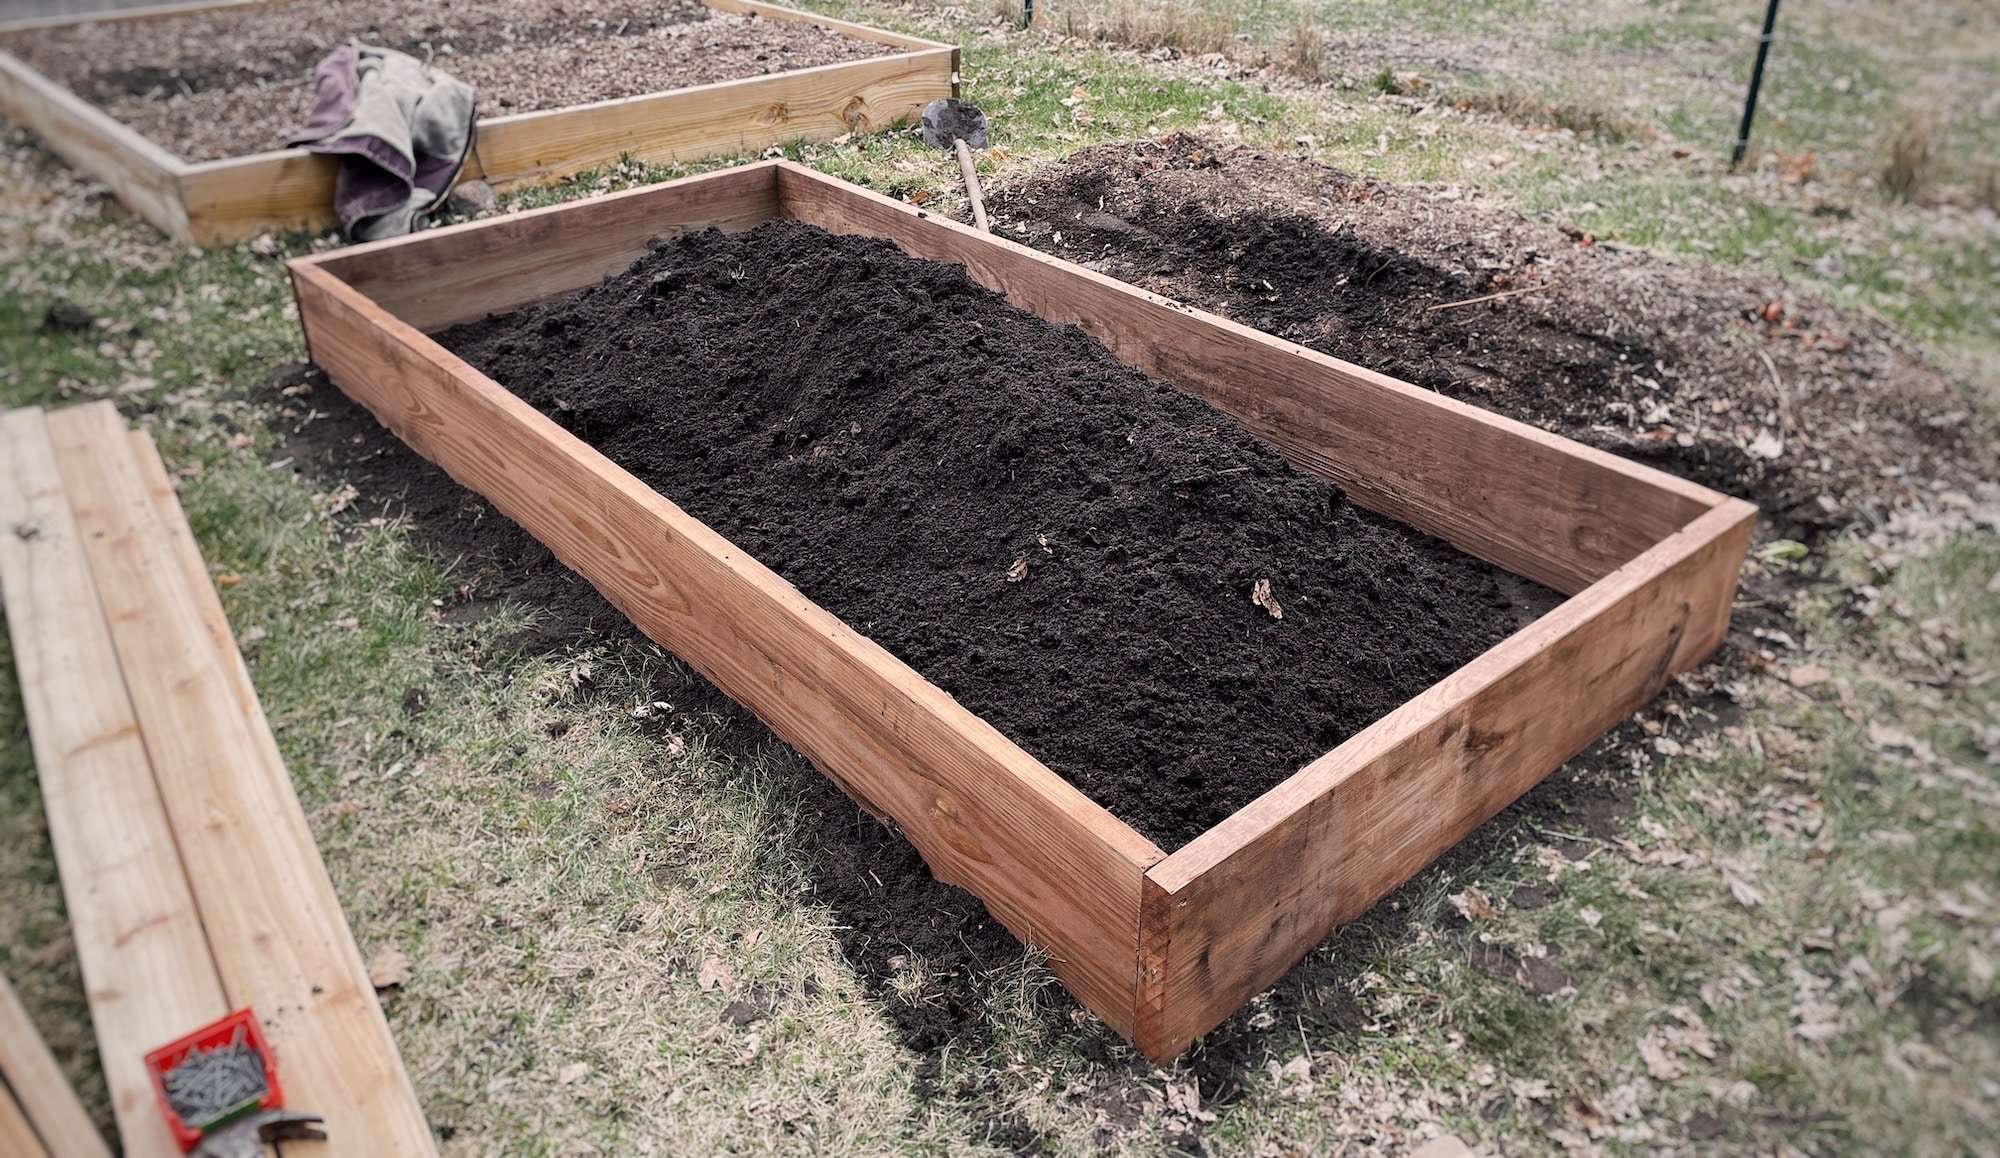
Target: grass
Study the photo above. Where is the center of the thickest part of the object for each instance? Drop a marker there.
(1790, 944)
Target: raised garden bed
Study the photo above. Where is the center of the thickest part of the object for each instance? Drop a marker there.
(171, 107)
(1160, 944)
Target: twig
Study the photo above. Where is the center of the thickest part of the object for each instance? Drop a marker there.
(1526, 289)
(1784, 399)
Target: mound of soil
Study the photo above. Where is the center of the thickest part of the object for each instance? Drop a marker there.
(1075, 551)
(235, 81)
(1819, 416)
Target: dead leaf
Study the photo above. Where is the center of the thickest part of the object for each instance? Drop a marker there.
(715, 973)
(1018, 571)
(389, 968)
(1260, 595)
(1767, 446)
(228, 579)
(1661, 1062)
(1808, 675)
(1475, 905)
(1589, 916)
(1186, 1098)
(572, 1073)
(1746, 894)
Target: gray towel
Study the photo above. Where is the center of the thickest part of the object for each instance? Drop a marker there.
(401, 128)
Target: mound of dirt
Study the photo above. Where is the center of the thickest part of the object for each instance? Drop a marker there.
(1819, 416)
(1114, 574)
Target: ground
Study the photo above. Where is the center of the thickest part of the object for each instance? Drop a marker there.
(1760, 918)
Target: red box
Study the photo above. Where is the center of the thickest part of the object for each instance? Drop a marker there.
(216, 1033)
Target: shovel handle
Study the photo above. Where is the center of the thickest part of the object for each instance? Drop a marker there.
(971, 184)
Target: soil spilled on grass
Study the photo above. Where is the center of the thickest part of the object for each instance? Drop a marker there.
(1118, 577)
(1821, 417)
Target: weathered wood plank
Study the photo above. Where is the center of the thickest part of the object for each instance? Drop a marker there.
(1233, 910)
(845, 27)
(147, 972)
(44, 1095)
(1529, 501)
(463, 272)
(1052, 866)
(273, 920)
(17, 1137)
(142, 174)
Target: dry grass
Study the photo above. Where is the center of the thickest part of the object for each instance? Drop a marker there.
(1541, 110)
(1148, 25)
(1304, 53)
(1907, 171)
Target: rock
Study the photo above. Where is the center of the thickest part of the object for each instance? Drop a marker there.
(470, 197)
(67, 318)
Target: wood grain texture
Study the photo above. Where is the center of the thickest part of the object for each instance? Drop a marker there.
(1526, 500)
(147, 972)
(142, 174)
(1056, 869)
(109, 15)
(463, 272)
(17, 1136)
(273, 920)
(1233, 910)
(44, 1095)
(845, 27)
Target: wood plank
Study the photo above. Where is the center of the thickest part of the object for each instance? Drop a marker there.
(147, 972)
(735, 116)
(17, 1137)
(273, 919)
(46, 1099)
(1529, 501)
(241, 197)
(110, 15)
(1055, 868)
(463, 272)
(142, 174)
(1233, 910)
(845, 27)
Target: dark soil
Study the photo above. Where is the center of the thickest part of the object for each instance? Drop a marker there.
(1065, 545)
(237, 81)
(1823, 418)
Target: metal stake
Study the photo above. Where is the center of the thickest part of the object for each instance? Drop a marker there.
(1756, 82)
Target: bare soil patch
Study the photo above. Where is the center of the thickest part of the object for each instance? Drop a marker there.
(1117, 576)
(238, 81)
(1820, 416)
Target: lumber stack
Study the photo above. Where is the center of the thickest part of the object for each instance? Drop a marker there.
(190, 874)
(39, 1113)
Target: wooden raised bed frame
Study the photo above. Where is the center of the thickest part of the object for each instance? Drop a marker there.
(1162, 947)
(212, 202)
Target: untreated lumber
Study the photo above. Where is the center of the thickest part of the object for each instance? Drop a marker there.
(43, 1095)
(147, 973)
(17, 1136)
(280, 942)
(144, 176)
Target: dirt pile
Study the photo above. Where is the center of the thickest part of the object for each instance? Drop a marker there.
(1819, 416)
(1114, 574)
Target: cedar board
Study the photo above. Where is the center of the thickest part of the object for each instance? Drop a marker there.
(1162, 947)
(237, 198)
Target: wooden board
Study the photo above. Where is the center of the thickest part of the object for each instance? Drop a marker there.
(1232, 911)
(274, 923)
(1653, 557)
(1051, 865)
(143, 175)
(17, 1136)
(147, 972)
(45, 1099)
(1526, 500)
(486, 267)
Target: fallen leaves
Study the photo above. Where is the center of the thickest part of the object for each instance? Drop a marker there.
(1018, 571)
(715, 973)
(1474, 905)
(389, 968)
(1260, 595)
(1807, 675)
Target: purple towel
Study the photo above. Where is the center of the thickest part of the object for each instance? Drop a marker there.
(402, 131)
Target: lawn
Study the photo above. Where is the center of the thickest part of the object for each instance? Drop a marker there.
(635, 922)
